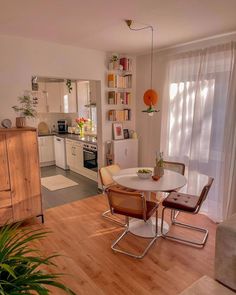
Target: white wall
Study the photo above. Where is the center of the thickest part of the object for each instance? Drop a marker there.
(21, 58)
(149, 128)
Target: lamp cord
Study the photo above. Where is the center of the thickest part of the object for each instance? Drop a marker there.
(144, 28)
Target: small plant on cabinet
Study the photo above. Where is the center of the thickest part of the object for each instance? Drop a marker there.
(26, 109)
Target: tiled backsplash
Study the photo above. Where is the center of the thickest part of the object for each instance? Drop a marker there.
(52, 118)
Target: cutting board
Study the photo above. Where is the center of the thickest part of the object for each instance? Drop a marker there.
(43, 128)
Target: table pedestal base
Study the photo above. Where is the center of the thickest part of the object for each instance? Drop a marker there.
(147, 229)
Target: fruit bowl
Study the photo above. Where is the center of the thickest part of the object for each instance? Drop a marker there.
(144, 173)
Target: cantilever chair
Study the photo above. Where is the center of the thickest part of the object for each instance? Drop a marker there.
(174, 166)
(106, 174)
(189, 204)
(131, 204)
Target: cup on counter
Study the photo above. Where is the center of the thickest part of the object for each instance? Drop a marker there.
(70, 129)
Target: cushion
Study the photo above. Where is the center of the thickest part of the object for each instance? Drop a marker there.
(181, 201)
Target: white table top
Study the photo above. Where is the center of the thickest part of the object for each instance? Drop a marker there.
(169, 181)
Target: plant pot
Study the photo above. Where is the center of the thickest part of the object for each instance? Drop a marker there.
(158, 171)
(20, 122)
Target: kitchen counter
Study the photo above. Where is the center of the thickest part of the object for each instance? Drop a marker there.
(85, 139)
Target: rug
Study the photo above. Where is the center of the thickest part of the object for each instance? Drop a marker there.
(57, 182)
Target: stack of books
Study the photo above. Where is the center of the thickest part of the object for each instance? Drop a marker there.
(119, 115)
(118, 81)
(126, 63)
(115, 97)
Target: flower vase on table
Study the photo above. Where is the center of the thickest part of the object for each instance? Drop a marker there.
(159, 168)
(81, 131)
(81, 122)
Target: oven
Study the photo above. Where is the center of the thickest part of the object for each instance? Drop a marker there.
(90, 157)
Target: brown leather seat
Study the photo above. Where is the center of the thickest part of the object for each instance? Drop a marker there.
(181, 201)
(188, 204)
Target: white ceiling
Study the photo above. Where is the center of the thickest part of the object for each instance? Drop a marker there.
(99, 24)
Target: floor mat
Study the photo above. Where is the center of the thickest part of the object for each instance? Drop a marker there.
(57, 182)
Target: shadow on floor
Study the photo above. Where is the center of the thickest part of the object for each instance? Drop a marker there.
(85, 188)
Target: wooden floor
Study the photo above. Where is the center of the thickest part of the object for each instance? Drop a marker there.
(84, 238)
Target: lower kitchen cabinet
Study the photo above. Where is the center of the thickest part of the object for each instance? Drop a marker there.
(76, 158)
(74, 155)
(46, 151)
(20, 188)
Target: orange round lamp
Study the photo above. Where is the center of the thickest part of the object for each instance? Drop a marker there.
(150, 97)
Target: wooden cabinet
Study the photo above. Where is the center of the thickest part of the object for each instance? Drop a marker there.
(20, 187)
(46, 151)
(4, 173)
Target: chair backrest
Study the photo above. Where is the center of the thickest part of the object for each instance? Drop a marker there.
(127, 203)
(106, 174)
(205, 191)
(174, 166)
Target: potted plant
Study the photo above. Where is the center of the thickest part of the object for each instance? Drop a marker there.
(26, 109)
(21, 265)
(159, 168)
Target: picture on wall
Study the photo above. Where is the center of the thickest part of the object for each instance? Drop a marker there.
(118, 131)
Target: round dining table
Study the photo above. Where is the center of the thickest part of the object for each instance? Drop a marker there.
(169, 181)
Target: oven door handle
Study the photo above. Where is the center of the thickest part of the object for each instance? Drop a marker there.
(88, 152)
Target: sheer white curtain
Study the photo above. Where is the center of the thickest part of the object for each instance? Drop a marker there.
(195, 121)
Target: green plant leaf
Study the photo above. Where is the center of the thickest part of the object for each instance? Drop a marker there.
(21, 265)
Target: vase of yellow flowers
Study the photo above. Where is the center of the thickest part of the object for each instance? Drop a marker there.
(81, 122)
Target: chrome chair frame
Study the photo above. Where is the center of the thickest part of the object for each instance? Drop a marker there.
(107, 213)
(176, 212)
(173, 217)
(181, 224)
(110, 218)
(126, 231)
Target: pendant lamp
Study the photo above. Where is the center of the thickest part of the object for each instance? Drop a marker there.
(150, 96)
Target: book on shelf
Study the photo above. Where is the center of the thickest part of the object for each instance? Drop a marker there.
(119, 81)
(119, 115)
(111, 80)
(112, 97)
(124, 63)
(119, 97)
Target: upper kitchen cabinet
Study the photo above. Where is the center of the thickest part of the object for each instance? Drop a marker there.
(42, 98)
(53, 90)
(56, 95)
(68, 97)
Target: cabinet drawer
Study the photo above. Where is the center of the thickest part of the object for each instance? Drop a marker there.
(5, 199)
(6, 215)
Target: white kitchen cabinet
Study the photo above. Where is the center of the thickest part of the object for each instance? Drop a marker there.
(42, 98)
(46, 151)
(53, 90)
(74, 155)
(68, 100)
(125, 153)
